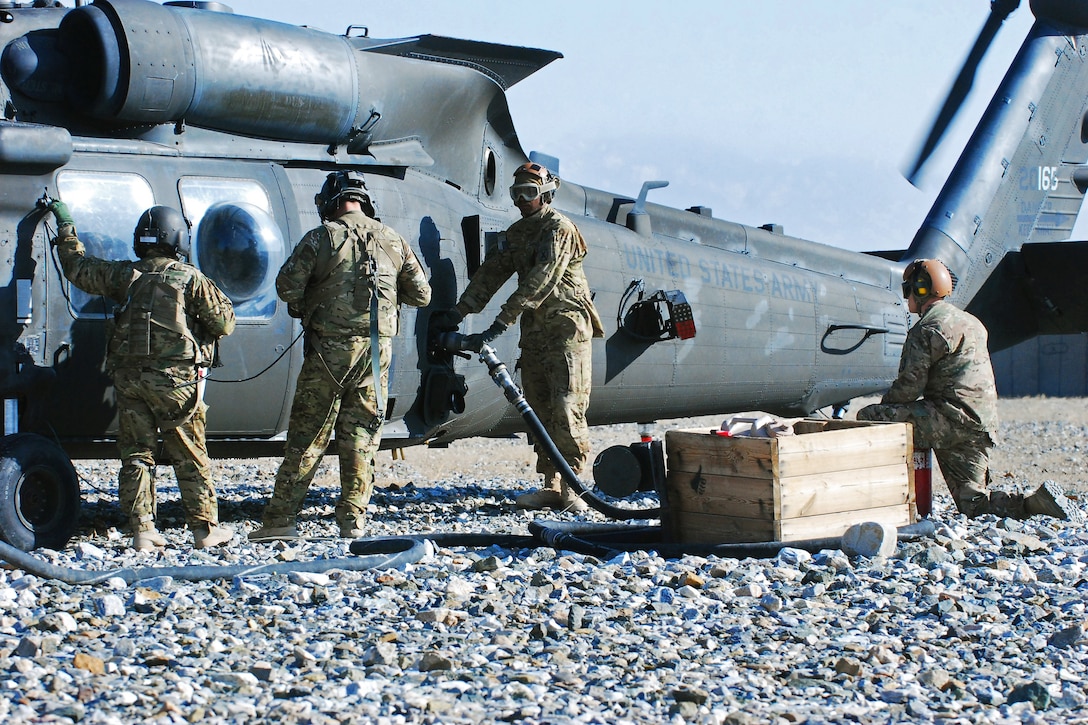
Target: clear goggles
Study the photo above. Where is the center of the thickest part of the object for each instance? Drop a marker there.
(526, 192)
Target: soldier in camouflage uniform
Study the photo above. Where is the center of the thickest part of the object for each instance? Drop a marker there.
(163, 341)
(945, 390)
(558, 322)
(329, 282)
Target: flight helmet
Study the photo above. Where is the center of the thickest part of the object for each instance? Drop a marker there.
(532, 180)
(341, 185)
(164, 228)
(926, 278)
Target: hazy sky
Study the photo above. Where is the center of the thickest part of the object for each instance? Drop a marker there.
(789, 111)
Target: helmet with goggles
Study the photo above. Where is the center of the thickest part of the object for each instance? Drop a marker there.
(925, 278)
(531, 180)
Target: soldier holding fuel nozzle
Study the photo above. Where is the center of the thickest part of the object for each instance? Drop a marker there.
(558, 323)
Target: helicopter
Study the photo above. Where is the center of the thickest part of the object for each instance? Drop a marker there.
(119, 105)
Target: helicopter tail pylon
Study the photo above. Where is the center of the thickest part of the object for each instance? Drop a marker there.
(1002, 218)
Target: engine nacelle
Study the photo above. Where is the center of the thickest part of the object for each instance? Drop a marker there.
(140, 62)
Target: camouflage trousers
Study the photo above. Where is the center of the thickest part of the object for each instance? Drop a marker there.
(334, 392)
(963, 455)
(151, 403)
(556, 381)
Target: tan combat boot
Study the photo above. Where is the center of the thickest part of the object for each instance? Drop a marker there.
(1049, 500)
(144, 535)
(548, 497)
(352, 528)
(287, 532)
(148, 540)
(209, 535)
(571, 501)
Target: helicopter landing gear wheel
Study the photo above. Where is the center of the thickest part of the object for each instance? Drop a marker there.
(39, 493)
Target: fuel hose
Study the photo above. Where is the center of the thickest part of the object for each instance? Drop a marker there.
(388, 553)
(501, 376)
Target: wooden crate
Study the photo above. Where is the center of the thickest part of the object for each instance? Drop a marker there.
(817, 483)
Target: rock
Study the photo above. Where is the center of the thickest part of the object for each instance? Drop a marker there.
(690, 579)
(869, 539)
(90, 663)
(1034, 692)
(793, 557)
(262, 671)
(431, 661)
(935, 677)
(770, 602)
(110, 605)
(848, 666)
(306, 578)
(1067, 637)
(381, 653)
(749, 590)
(691, 694)
(27, 647)
(490, 563)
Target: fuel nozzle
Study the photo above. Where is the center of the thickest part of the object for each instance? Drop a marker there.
(452, 342)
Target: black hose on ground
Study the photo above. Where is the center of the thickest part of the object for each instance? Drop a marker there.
(503, 379)
(606, 541)
(377, 554)
(468, 540)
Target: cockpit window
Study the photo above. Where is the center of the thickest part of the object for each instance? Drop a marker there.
(106, 207)
(236, 242)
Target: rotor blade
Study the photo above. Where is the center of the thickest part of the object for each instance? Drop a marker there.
(999, 11)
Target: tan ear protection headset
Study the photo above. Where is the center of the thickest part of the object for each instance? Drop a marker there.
(927, 278)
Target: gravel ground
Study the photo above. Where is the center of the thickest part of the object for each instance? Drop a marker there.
(983, 622)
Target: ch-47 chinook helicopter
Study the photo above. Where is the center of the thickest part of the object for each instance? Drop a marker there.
(119, 105)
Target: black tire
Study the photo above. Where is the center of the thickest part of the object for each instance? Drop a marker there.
(39, 493)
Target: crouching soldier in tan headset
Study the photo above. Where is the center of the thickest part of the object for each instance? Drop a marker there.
(946, 391)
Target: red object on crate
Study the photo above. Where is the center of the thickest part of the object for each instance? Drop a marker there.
(923, 482)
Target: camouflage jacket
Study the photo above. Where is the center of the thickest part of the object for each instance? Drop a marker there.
(552, 297)
(945, 360)
(326, 281)
(182, 311)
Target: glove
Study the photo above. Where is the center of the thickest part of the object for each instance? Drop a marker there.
(477, 341)
(446, 319)
(60, 211)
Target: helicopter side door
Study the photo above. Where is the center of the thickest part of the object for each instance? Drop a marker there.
(239, 242)
(236, 238)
